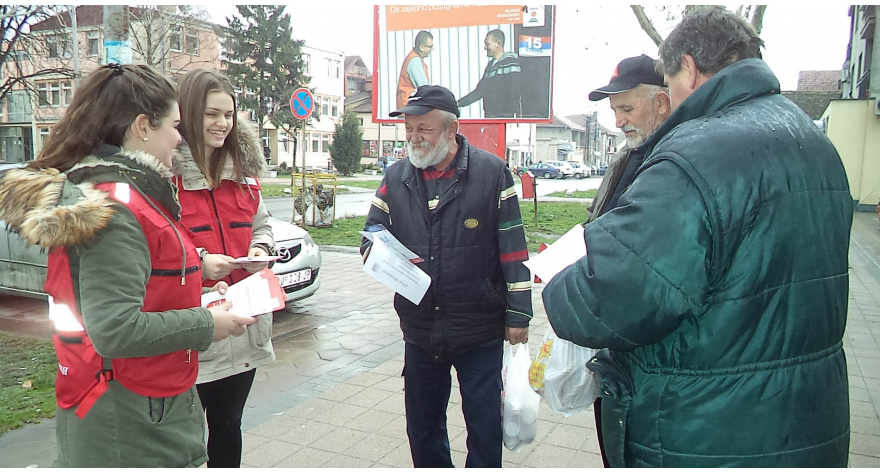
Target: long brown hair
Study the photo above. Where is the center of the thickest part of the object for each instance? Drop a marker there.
(193, 92)
(102, 111)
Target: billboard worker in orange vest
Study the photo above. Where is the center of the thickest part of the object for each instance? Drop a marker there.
(414, 74)
(124, 279)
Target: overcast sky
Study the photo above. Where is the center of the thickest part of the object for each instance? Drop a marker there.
(592, 38)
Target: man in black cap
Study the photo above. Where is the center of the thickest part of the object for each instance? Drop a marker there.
(455, 206)
(641, 103)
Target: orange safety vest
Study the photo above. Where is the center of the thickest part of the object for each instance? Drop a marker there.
(82, 375)
(405, 87)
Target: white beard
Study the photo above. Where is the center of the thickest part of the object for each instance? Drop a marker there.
(422, 157)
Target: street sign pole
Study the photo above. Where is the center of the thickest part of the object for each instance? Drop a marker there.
(301, 105)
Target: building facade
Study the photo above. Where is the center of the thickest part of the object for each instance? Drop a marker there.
(859, 80)
(580, 138)
(357, 76)
(327, 79)
(160, 37)
(379, 139)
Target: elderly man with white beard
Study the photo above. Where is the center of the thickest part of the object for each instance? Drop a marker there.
(641, 104)
(455, 206)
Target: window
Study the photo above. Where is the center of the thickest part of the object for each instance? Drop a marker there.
(285, 143)
(66, 93)
(93, 43)
(325, 144)
(43, 94)
(334, 111)
(325, 106)
(52, 46)
(305, 59)
(176, 35)
(338, 66)
(265, 138)
(361, 120)
(44, 135)
(192, 42)
(314, 143)
(329, 67)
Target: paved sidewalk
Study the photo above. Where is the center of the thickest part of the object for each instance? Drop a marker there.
(334, 397)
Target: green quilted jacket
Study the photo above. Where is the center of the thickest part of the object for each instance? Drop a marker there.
(719, 286)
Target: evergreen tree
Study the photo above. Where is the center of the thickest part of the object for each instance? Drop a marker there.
(265, 60)
(347, 145)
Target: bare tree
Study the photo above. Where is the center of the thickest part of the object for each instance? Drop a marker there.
(753, 13)
(156, 41)
(24, 54)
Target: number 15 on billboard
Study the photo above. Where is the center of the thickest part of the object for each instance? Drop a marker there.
(535, 46)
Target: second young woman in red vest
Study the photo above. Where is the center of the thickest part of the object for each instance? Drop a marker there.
(216, 168)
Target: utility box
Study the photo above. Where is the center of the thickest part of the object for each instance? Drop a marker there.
(529, 185)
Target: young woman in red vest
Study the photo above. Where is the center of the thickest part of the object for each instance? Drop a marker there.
(216, 168)
(124, 278)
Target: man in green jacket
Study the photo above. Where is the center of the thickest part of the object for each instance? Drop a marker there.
(720, 282)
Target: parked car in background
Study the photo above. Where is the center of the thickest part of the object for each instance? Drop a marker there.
(594, 170)
(581, 171)
(564, 167)
(602, 170)
(23, 267)
(544, 170)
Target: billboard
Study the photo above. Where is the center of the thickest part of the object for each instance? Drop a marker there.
(496, 59)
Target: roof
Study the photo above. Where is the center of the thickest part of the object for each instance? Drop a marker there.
(562, 122)
(359, 102)
(93, 15)
(819, 81)
(353, 61)
(813, 103)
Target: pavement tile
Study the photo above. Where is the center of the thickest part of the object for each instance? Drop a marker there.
(305, 457)
(339, 440)
(390, 384)
(341, 414)
(399, 457)
(368, 379)
(567, 436)
(311, 408)
(368, 397)
(396, 428)
(343, 461)
(306, 432)
(864, 409)
(863, 425)
(454, 415)
(459, 442)
(373, 448)
(276, 427)
(269, 453)
(371, 421)
(870, 368)
(859, 461)
(864, 444)
(517, 458)
(333, 354)
(545, 455)
(341, 392)
(391, 367)
(586, 460)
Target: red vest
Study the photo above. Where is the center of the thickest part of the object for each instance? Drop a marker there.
(222, 220)
(81, 375)
(405, 87)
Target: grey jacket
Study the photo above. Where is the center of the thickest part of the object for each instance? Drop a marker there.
(234, 355)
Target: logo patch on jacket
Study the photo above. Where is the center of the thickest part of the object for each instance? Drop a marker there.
(471, 223)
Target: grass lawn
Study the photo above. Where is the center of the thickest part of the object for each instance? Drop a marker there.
(361, 184)
(554, 219)
(344, 232)
(591, 194)
(25, 360)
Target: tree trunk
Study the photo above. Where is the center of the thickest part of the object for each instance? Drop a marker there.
(646, 24)
(758, 18)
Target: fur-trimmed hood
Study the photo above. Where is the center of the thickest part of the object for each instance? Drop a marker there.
(253, 162)
(53, 209)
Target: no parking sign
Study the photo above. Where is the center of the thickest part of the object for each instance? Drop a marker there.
(302, 103)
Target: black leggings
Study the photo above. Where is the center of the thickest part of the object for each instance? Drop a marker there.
(223, 401)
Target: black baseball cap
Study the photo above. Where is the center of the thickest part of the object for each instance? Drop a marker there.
(427, 98)
(629, 74)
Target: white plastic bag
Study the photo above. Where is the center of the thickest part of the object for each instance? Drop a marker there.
(520, 416)
(559, 374)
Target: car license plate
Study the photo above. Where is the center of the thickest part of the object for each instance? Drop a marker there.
(288, 279)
